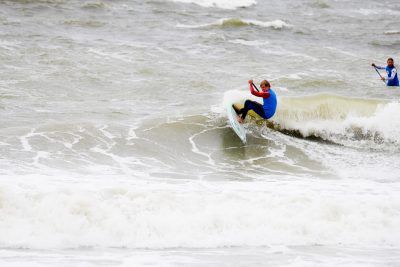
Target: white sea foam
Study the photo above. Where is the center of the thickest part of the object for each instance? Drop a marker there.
(276, 24)
(224, 4)
(159, 215)
(249, 43)
(367, 12)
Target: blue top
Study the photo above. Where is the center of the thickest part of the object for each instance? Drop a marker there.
(270, 103)
(392, 79)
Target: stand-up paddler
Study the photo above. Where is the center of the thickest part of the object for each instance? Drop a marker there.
(391, 78)
(267, 109)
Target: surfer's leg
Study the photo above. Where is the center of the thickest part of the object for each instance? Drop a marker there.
(236, 110)
(245, 109)
(257, 107)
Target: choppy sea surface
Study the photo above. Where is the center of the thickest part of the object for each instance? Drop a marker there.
(115, 148)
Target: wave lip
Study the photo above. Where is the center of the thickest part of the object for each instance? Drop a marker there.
(236, 23)
(232, 22)
(223, 4)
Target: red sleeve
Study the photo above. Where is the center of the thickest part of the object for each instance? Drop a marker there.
(260, 94)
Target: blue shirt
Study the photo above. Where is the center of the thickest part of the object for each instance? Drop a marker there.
(392, 79)
(270, 104)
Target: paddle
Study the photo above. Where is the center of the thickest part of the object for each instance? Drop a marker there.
(379, 74)
(255, 87)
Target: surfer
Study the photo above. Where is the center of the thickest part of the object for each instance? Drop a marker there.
(391, 78)
(267, 110)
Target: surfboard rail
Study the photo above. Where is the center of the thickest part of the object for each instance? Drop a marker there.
(234, 123)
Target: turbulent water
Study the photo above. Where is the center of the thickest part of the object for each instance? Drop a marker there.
(115, 148)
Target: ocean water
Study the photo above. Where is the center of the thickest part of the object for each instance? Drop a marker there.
(115, 148)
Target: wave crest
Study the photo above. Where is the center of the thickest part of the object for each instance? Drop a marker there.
(85, 24)
(236, 23)
(223, 4)
(232, 22)
(95, 5)
(341, 120)
(392, 32)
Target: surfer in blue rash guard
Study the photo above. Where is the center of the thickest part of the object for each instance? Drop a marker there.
(267, 109)
(391, 78)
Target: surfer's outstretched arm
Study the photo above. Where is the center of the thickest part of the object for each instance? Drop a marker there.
(379, 67)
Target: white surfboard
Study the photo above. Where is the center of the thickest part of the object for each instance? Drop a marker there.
(236, 126)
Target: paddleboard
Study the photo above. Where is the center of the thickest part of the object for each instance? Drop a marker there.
(236, 126)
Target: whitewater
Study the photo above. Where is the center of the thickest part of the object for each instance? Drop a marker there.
(115, 148)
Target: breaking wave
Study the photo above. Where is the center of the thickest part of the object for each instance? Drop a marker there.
(342, 120)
